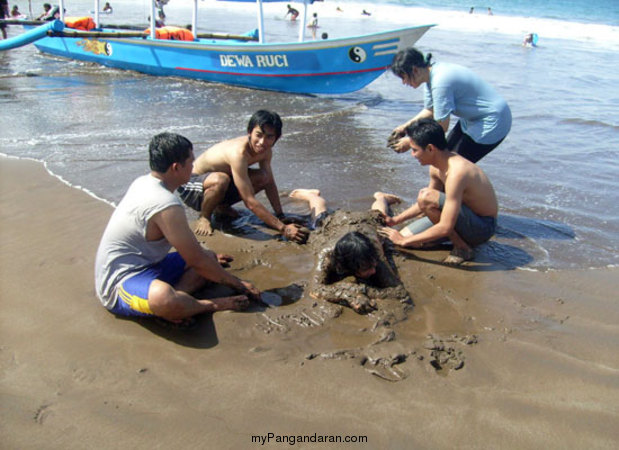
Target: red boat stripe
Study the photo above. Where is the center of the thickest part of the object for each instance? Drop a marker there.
(283, 75)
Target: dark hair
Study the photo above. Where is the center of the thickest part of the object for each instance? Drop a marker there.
(166, 149)
(354, 252)
(404, 61)
(427, 131)
(263, 117)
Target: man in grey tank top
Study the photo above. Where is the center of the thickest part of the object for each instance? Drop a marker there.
(135, 273)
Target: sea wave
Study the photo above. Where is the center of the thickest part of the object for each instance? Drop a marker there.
(390, 15)
(590, 122)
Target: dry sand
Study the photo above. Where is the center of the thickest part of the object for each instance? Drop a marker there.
(544, 372)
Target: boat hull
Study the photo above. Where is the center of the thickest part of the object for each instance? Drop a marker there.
(334, 66)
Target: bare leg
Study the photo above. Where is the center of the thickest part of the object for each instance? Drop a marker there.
(461, 251)
(383, 201)
(215, 186)
(177, 303)
(317, 204)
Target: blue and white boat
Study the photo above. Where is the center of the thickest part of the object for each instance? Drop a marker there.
(329, 66)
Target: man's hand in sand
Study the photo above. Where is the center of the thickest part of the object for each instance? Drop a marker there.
(203, 227)
(392, 234)
(224, 260)
(296, 233)
(251, 291)
(382, 203)
(389, 221)
(287, 220)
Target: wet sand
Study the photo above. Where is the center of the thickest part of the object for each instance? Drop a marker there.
(539, 350)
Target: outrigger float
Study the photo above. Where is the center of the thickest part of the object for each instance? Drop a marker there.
(328, 66)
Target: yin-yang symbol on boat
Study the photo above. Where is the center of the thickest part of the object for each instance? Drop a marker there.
(357, 54)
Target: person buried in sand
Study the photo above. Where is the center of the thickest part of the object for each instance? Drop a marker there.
(459, 203)
(222, 176)
(348, 245)
(135, 275)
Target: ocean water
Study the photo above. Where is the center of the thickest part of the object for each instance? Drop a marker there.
(556, 174)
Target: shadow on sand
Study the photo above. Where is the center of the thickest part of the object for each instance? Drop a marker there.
(497, 254)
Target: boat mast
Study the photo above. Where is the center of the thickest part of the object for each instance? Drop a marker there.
(260, 22)
(97, 13)
(303, 22)
(153, 11)
(194, 19)
(61, 6)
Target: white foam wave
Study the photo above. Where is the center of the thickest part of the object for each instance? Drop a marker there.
(80, 188)
(390, 15)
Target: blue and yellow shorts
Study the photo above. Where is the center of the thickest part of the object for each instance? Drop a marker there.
(132, 294)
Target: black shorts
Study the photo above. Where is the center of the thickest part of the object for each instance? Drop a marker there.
(465, 146)
(192, 193)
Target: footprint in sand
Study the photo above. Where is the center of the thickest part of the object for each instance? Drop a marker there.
(42, 414)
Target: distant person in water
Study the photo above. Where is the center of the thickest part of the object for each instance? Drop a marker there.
(471, 10)
(490, 11)
(459, 203)
(530, 39)
(366, 13)
(46, 9)
(222, 177)
(484, 118)
(4, 13)
(16, 13)
(135, 272)
(313, 25)
(107, 8)
(293, 13)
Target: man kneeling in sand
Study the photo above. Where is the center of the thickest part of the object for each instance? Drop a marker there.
(222, 177)
(135, 274)
(459, 202)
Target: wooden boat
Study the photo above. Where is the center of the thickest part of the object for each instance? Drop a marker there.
(329, 66)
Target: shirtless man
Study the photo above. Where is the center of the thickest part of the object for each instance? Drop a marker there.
(459, 203)
(222, 177)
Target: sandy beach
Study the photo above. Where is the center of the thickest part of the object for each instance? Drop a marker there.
(537, 351)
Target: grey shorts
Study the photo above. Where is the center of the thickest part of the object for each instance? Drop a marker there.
(192, 192)
(474, 229)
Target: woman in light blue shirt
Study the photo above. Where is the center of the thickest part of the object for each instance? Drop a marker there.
(484, 118)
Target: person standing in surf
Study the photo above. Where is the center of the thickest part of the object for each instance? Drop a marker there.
(293, 13)
(484, 116)
(4, 12)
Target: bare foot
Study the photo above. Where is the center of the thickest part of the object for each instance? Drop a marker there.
(204, 227)
(234, 303)
(305, 194)
(458, 255)
(391, 199)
